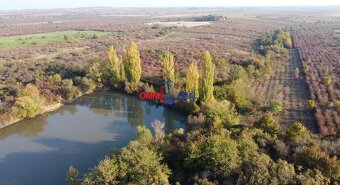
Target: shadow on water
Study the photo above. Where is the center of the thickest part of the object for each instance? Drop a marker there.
(39, 150)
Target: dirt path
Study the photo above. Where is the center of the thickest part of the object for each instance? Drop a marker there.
(291, 89)
(296, 99)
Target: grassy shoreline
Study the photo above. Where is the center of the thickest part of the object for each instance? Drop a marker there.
(47, 109)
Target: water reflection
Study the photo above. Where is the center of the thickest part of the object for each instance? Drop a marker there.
(170, 121)
(135, 114)
(31, 129)
(39, 151)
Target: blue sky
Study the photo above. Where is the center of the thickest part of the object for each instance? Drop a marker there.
(48, 4)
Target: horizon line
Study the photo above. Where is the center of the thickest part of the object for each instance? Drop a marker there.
(169, 7)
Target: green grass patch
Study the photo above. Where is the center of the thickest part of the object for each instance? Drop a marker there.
(48, 38)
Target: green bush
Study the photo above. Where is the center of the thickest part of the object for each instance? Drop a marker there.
(27, 107)
(275, 106)
(85, 84)
(218, 151)
(327, 80)
(337, 105)
(261, 169)
(311, 104)
(314, 158)
(133, 164)
(143, 134)
(221, 113)
(312, 177)
(70, 91)
(268, 124)
(297, 130)
(72, 176)
(29, 103)
(237, 72)
(237, 93)
(56, 78)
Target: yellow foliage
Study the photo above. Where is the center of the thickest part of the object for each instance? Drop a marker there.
(192, 80)
(132, 64)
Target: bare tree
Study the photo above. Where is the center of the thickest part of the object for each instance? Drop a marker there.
(158, 126)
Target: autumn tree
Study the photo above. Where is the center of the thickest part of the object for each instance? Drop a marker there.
(29, 102)
(132, 64)
(116, 65)
(192, 80)
(207, 80)
(168, 72)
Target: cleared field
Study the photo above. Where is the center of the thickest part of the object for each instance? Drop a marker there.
(181, 24)
(47, 38)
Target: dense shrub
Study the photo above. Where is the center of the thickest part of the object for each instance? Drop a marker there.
(70, 91)
(261, 169)
(268, 124)
(196, 121)
(275, 106)
(134, 87)
(221, 113)
(27, 107)
(327, 80)
(85, 84)
(315, 158)
(237, 93)
(297, 130)
(237, 72)
(56, 78)
(28, 103)
(218, 153)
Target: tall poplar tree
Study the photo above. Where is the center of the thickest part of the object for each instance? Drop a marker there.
(115, 64)
(132, 64)
(207, 80)
(122, 69)
(192, 80)
(168, 72)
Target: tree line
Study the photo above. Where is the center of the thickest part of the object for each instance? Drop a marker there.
(216, 148)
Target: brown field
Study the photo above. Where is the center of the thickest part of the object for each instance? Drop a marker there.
(320, 52)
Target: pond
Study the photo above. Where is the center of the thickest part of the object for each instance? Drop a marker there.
(39, 151)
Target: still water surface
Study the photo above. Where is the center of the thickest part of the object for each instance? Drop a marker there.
(39, 151)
